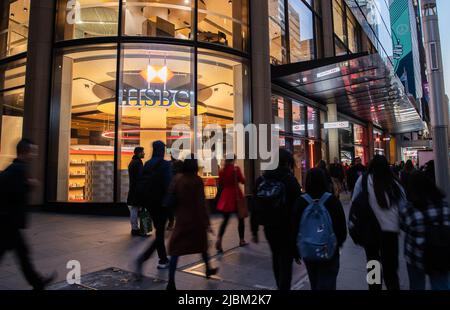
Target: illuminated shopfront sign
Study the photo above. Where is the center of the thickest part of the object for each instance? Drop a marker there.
(336, 125)
(157, 98)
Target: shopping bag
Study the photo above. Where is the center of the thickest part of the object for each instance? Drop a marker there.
(145, 222)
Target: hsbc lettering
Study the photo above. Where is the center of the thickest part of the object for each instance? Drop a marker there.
(156, 98)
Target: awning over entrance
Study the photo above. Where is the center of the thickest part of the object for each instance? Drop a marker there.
(361, 85)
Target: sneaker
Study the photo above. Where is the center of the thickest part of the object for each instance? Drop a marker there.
(163, 265)
(45, 281)
(135, 232)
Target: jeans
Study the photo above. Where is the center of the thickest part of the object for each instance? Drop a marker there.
(323, 275)
(440, 281)
(134, 217)
(387, 254)
(282, 257)
(223, 226)
(16, 242)
(159, 218)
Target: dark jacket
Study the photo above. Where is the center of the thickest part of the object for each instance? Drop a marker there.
(353, 175)
(293, 191)
(336, 211)
(134, 173)
(15, 191)
(190, 234)
(337, 171)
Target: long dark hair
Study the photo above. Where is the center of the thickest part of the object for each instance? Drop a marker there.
(409, 167)
(190, 165)
(316, 183)
(384, 182)
(423, 191)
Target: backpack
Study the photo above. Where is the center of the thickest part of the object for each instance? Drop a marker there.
(270, 197)
(149, 189)
(316, 240)
(363, 226)
(437, 244)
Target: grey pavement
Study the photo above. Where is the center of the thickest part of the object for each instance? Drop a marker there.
(102, 244)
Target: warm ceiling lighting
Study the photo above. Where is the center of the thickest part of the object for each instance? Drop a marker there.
(157, 74)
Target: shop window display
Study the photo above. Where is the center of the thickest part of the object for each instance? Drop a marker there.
(12, 81)
(84, 81)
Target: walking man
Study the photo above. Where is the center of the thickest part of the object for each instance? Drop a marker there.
(16, 186)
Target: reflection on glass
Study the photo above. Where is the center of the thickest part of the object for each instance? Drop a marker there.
(14, 17)
(79, 19)
(313, 123)
(12, 74)
(352, 33)
(159, 18)
(157, 95)
(84, 81)
(278, 106)
(338, 20)
(224, 22)
(223, 96)
(277, 30)
(298, 118)
(301, 31)
(11, 124)
(300, 161)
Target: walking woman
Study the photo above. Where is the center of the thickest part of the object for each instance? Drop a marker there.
(425, 210)
(190, 234)
(231, 200)
(322, 274)
(386, 197)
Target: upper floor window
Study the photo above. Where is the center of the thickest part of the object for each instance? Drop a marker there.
(14, 17)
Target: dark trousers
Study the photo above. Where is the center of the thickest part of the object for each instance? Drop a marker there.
(159, 218)
(174, 262)
(223, 226)
(16, 242)
(386, 252)
(282, 257)
(323, 275)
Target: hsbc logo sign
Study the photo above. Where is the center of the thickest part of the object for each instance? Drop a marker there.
(157, 98)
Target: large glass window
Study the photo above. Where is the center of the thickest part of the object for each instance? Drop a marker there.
(12, 80)
(352, 33)
(301, 31)
(79, 19)
(277, 32)
(339, 20)
(159, 18)
(14, 17)
(298, 118)
(224, 22)
(83, 123)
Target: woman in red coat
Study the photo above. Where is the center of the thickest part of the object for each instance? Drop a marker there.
(230, 200)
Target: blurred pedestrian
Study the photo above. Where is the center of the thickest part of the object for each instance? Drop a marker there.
(152, 189)
(337, 176)
(426, 215)
(275, 194)
(323, 166)
(406, 172)
(385, 197)
(354, 173)
(190, 234)
(322, 273)
(135, 168)
(16, 185)
(232, 200)
(177, 168)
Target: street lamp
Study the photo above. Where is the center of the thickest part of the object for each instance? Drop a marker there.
(438, 104)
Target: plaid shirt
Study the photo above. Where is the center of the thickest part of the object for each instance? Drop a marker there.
(414, 223)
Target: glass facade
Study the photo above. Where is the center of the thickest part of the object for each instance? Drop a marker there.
(14, 17)
(346, 29)
(294, 26)
(12, 89)
(110, 98)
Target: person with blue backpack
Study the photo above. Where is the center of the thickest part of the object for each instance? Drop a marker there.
(321, 231)
(275, 194)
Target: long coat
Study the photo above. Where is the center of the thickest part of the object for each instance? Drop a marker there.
(228, 177)
(135, 169)
(190, 235)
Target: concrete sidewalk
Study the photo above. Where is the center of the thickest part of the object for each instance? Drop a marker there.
(101, 242)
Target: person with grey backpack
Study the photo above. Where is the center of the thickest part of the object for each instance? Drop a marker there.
(321, 231)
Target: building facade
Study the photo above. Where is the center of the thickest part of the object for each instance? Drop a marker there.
(91, 80)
